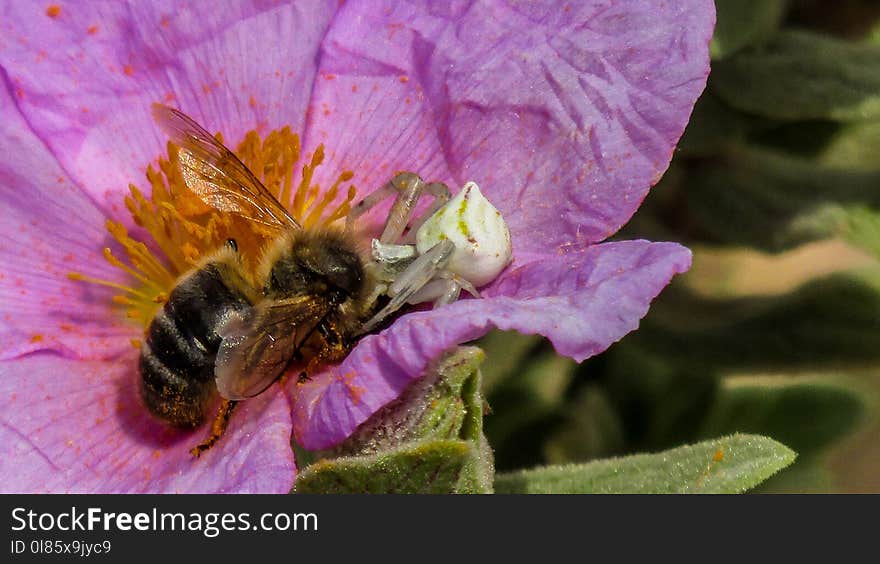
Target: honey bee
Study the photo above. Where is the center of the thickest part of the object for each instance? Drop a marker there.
(313, 296)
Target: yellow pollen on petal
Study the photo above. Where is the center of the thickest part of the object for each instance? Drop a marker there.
(184, 229)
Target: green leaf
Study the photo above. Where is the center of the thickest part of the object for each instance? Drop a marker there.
(591, 429)
(741, 23)
(855, 146)
(525, 408)
(440, 466)
(804, 139)
(807, 413)
(761, 198)
(874, 34)
(800, 75)
(658, 396)
(714, 126)
(445, 403)
(826, 323)
(860, 225)
(727, 465)
(429, 440)
(506, 351)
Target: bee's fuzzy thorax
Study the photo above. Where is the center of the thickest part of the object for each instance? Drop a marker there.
(328, 252)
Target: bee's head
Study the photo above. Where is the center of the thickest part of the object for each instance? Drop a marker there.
(339, 268)
(324, 264)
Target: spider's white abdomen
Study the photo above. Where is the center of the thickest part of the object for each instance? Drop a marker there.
(478, 231)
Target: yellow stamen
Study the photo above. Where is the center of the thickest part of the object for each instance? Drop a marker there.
(292, 155)
(345, 207)
(300, 201)
(330, 195)
(124, 288)
(184, 229)
(123, 300)
(108, 256)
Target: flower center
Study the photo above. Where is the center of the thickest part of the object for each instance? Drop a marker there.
(184, 229)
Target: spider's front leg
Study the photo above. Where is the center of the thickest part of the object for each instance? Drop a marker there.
(409, 189)
(415, 277)
(460, 243)
(399, 266)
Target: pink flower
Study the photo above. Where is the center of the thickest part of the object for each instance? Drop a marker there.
(565, 115)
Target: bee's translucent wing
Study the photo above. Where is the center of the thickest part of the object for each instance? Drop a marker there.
(257, 347)
(216, 175)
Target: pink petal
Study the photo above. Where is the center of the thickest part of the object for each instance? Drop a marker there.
(564, 116)
(85, 79)
(79, 426)
(582, 302)
(50, 228)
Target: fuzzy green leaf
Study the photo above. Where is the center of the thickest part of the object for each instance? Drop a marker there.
(440, 466)
(803, 75)
(443, 404)
(428, 440)
(741, 23)
(727, 465)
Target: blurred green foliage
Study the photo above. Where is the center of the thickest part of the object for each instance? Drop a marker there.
(781, 152)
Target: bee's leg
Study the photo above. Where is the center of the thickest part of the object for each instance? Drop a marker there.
(335, 349)
(414, 278)
(218, 428)
(314, 363)
(328, 354)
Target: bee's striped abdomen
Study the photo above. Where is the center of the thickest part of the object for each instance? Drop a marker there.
(177, 359)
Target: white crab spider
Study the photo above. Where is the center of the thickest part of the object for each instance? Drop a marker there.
(460, 244)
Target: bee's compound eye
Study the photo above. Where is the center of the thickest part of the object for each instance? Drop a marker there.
(231, 244)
